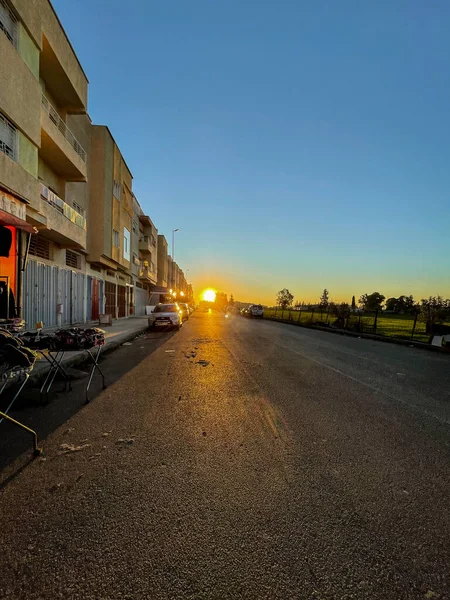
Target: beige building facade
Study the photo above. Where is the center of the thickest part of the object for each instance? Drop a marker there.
(74, 241)
(43, 162)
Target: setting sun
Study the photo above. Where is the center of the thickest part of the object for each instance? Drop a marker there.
(209, 295)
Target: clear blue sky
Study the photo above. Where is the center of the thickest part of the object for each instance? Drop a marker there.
(298, 144)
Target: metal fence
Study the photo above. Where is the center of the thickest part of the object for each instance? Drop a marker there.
(379, 323)
(40, 288)
(46, 287)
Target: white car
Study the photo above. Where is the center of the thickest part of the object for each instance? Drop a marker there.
(165, 315)
(256, 311)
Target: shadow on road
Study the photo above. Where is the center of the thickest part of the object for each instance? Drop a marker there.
(45, 418)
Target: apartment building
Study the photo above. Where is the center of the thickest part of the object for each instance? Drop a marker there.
(74, 241)
(43, 162)
(111, 215)
(144, 237)
(163, 265)
(159, 291)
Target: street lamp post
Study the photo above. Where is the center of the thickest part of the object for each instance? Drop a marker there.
(173, 255)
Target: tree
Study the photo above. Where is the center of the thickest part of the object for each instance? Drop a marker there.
(434, 310)
(392, 304)
(221, 300)
(284, 298)
(324, 299)
(353, 303)
(231, 300)
(342, 312)
(372, 302)
(403, 304)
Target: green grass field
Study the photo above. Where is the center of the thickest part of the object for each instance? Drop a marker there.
(399, 326)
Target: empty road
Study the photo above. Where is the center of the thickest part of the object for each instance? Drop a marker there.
(242, 459)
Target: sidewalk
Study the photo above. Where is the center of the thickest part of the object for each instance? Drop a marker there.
(118, 333)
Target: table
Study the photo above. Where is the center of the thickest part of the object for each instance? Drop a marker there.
(55, 358)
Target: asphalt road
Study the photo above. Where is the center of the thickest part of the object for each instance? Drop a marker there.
(289, 464)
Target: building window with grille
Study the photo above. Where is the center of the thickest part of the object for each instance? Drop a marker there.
(8, 23)
(41, 247)
(8, 137)
(117, 190)
(135, 226)
(73, 260)
(126, 244)
(78, 208)
(116, 241)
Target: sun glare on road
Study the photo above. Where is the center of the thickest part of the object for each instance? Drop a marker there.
(209, 295)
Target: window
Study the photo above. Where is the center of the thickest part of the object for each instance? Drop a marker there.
(41, 247)
(117, 190)
(136, 260)
(78, 208)
(126, 244)
(8, 23)
(135, 226)
(165, 308)
(116, 241)
(8, 137)
(73, 259)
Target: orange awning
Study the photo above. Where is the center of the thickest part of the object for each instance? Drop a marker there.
(13, 221)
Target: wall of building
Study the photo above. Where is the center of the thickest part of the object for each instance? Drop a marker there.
(15, 178)
(28, 51)
(162, 264)
(51, 179)
(18, 82)
(122, 209)
(100, 189)
(29, 12)
(59, 42)
(78, 192)
(28, 155)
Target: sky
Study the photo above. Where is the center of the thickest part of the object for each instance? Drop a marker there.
(294, 144)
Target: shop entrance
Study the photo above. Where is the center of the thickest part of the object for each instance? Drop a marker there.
(8, 271)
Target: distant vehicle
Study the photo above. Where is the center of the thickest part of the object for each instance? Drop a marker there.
(245, 312)
(166, 315)
(185, 311)
(256, 311)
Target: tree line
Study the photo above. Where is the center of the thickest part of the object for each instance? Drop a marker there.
(431, 310)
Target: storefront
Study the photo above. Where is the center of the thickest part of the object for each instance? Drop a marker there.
(15, 235)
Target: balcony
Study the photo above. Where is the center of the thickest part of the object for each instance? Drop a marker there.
(148, 272)
(64, 225)
(145, 244)
(59, 147)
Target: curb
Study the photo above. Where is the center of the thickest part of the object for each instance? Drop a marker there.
(72, 361)
(367, 336)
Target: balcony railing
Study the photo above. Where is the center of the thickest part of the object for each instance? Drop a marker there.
(148, 270)
(61, 125)
(62, 207)
(145, 244)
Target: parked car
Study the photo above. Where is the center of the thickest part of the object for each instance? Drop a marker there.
(256, 311)
(185, 312)
(165, 315)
